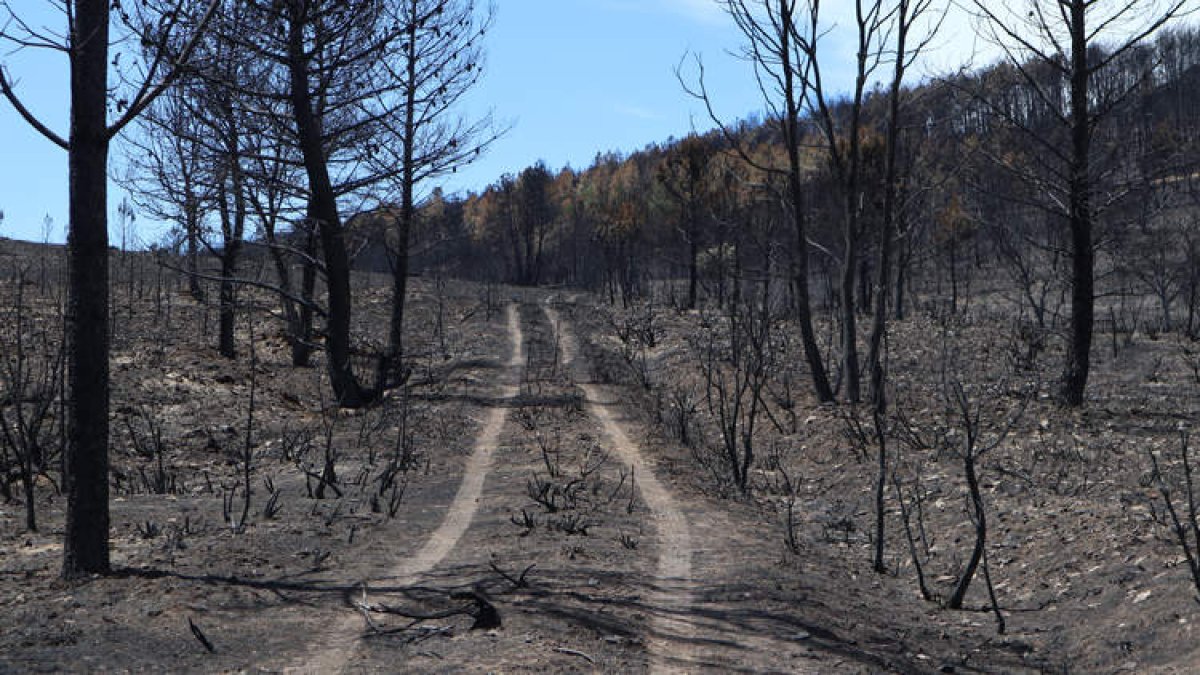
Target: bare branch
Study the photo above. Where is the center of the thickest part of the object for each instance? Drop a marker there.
(6, 89)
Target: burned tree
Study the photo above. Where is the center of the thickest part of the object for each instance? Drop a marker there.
(684, 174)
(1059, 48)
(336, 87)
(906, 14)
(776, 49)
(86, 46)
(844, 145)
(438, 60)
(165, 163)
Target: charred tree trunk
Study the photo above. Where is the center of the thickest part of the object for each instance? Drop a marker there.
(291, 313)
(791, 136)
(192, 250)
(693, 268)
(302, 335)
(85, 459)
(849, 317)
(232, 226)
(904, 254)
(391, 368)
(887, 230)
(323, 209)
(979, 518)
(1079, 346)
(228, 305)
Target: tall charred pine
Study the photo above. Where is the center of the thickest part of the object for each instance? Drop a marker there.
(86, 44)
(906, 13)
(778, 44)
(323, 210)
(1034, 45)
(85, 462)
(437, 60)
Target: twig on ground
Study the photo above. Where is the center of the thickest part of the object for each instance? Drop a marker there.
(200, 636)
(520, 581)
(575, 652)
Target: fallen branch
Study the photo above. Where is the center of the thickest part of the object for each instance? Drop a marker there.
(519, 582)
(485, 613)
(364, 608)
(575, 652)
(200, 636)
(430, 631)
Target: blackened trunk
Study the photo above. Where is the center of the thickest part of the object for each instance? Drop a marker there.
(1079, 346)
(980, 519)
(865, 290)
(228, 307)
(851, 175)
(849, 318)
(391, 368)
(953, 276)
(903, 256)
(192, 251)
(808, 338)
(234, 231)
(693, 269)
(1075, 375)
(322, 208)
(290, 313)
(302, 342)
(226, 297)
(85, 460)
(877, 389)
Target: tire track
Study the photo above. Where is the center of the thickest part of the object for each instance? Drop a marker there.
(341, 646)
(671, 635)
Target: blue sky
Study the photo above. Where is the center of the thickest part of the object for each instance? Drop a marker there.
(581, 76)
(573, 77)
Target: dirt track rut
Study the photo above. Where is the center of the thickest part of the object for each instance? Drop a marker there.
(338, 651)
(670, 637)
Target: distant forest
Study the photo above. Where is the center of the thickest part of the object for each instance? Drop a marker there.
(978, 190)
